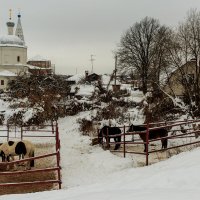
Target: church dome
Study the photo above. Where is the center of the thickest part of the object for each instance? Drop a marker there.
(11, 40)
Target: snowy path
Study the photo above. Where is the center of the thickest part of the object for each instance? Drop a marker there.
(81, 163)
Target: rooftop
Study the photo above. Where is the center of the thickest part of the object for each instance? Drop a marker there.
(11, 40)
(38, 58)
(7, 73)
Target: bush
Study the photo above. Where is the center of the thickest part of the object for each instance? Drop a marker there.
(86, 126)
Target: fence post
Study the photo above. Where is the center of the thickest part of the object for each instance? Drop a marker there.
(98, 135)
(58, 154)
(52, 125)
(124, 143)
(15, 131)
(107, 139)
(8, 132)
(147, 144)
(21, 132)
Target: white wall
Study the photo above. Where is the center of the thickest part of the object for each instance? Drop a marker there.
(18, 70)
(8, 55)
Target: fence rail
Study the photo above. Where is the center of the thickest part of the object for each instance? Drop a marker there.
(24, 131)
(183, 133)
(22, 134)
(30, 183)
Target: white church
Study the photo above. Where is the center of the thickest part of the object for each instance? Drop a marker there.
(13, 55)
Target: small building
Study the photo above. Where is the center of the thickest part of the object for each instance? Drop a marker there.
(91, 77)
(175, 83)
(40, 66)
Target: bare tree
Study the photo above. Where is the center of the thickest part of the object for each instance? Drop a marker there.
(191, 28)
(143, 49)
(186, 46)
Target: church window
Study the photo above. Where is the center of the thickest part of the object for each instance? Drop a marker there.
(18, 58)
(2, 82)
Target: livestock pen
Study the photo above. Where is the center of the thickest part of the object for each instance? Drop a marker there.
(46, 175)
(180, 134)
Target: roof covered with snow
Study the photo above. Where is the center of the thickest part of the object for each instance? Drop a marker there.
(7, 73)
(36, 67)
(37, 58)
(76, 77)
(11, 40)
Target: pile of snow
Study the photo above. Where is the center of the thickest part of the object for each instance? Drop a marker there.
(4, 105)
(106, 80)
(83, 90)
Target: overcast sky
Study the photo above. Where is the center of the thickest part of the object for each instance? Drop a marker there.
(68, 31)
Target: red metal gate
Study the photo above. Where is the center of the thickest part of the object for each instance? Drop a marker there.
(23, 133)
(187, 133)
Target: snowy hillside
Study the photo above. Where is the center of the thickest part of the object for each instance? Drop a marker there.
(88, 172)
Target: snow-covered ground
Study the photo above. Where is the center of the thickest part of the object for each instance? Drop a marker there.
(88, 172)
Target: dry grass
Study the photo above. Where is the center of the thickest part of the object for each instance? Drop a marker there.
(39, 164)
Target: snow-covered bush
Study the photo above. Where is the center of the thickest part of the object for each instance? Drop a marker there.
(43, 94)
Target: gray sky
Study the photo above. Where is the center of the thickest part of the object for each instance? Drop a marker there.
(69, 31)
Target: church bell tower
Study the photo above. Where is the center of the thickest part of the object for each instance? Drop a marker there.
(19, 30)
